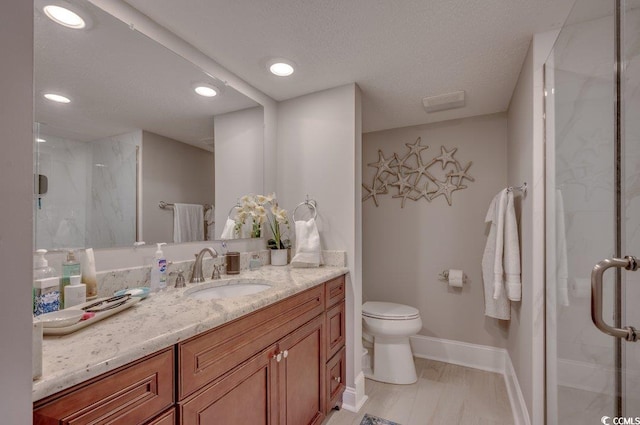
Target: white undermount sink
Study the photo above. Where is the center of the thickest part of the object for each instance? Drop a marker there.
(230, 289)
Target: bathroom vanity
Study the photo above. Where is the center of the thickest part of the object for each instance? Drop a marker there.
(275, 357)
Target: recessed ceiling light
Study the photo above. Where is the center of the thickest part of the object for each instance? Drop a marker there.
(206, 91)
(57, 98)
(63, 16)
(39, 140)
(281, 69)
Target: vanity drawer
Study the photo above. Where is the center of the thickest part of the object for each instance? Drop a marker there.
(167, 418)
(335, 290)
(209, 356)
(335, 379)
(335, 328)
(132, 395)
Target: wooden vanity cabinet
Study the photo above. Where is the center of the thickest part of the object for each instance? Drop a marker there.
(281, 365)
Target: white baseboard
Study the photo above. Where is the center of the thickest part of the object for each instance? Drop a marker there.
(476, 356)
(354, 397)
(481, 357)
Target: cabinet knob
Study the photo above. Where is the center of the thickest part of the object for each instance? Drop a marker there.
(285, 353)
(337, 379)
(279, 357)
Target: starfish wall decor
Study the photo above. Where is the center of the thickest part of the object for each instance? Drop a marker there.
(415, 178)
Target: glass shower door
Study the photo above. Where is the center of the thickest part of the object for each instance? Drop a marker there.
(592, 87)
(630, 101)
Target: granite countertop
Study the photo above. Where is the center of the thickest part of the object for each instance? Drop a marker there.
(157, 322)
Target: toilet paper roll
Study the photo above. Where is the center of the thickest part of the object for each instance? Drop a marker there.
(455, 278)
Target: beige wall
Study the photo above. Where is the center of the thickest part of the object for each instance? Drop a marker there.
(404, 249)
(16, 192)
(172, 172)
(318, 137)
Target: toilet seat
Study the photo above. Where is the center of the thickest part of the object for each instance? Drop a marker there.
(389, 311)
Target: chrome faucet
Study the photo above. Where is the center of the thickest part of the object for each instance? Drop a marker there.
(196, 272)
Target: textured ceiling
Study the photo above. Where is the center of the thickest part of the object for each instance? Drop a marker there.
(119, 81)
(397, 51)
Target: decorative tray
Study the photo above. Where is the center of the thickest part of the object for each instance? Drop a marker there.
(98, 315)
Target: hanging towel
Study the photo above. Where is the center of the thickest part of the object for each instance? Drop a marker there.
(562, 269)
(497, 304)
(188, 223)
(209, 219)
(307, 245)
(229, 232)
(512, 252)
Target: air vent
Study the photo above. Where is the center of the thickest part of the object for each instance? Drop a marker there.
(443, 102)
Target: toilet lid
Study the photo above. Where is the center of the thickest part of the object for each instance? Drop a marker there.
(393, 311)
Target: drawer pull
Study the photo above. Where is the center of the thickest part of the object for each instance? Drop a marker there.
(337, 379)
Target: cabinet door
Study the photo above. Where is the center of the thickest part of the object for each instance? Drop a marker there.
(336, 371)
(244, 396)
(335, 329)
(301, 375)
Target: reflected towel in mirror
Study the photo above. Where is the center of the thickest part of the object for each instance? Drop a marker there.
(188, 223)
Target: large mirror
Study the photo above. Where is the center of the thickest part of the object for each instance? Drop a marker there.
(134, 140)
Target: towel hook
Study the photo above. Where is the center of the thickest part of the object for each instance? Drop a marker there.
(309, 203)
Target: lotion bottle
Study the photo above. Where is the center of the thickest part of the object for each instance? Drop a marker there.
(159, 271)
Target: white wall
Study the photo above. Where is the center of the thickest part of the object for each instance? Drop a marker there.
(172, 171)
(404, 249)
(239, 159)
(525, 341)
(318, 143)
(16, 191)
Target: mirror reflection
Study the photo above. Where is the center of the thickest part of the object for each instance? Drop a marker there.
(124, 138)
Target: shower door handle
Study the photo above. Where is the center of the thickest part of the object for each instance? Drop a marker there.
(628, 263)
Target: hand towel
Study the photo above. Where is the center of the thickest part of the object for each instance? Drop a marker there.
(307, 244)
(229, 231)
(210, 221)
(188, 223)
(512, 252)
(498, 307)
(562, 269)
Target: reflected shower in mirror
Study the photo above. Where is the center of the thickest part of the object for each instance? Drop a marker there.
(133, 131)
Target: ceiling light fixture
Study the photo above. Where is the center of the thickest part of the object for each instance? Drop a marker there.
(39, 140)
(280, 67)
(63, 16)
(57, 98)
(206, 90)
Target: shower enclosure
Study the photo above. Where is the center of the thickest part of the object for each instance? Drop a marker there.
(592, 118)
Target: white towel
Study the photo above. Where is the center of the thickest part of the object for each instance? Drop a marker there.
(229, 231)
(188, 222)
(210, 221)
(512, 252)
(307, 245)
(562, 269)
(498, 306)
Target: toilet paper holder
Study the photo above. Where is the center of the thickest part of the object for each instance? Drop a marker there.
(444, 276)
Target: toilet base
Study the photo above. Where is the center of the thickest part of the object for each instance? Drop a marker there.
(392, 361)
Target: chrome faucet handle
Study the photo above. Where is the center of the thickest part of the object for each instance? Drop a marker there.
(180, 282)
(216, 271)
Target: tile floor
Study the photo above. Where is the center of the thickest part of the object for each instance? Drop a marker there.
(445, 394)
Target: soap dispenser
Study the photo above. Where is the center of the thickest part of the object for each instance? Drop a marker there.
(70, 267)
(46, 285)
(159, 270)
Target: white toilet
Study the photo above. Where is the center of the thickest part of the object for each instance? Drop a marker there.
(386, 327)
